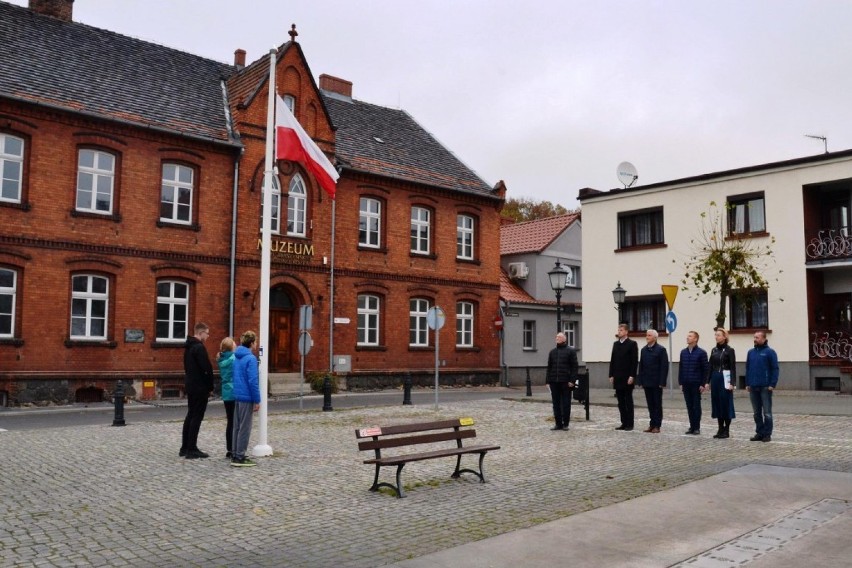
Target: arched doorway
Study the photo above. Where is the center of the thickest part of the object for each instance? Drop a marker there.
(283, 332)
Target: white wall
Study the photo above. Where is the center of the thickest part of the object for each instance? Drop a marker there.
(643, 272)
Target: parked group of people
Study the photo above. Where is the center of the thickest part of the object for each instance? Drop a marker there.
(238, 370)
(697, 372)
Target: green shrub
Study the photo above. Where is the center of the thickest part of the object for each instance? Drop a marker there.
(317, 378)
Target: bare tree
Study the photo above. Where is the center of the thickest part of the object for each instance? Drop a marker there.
(729, 265)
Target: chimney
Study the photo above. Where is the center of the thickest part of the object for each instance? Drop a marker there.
(336, 85)
(240, 58)
(59, 9)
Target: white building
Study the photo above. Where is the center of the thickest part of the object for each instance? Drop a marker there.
(641, 236)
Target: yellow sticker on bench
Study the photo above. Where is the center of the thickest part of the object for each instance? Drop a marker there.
(372, 431)
(466, 421)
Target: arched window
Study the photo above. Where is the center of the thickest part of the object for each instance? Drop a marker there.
(172, 310)
(11, 168)
(275, 226)
(296, 205)
(368, 319)
(418, 330)
(89, 306)
(95, 181)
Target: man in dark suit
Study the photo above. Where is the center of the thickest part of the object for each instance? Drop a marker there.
(622, 372)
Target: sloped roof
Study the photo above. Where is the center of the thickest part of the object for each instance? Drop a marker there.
(388, 142)
(82, 69)
(533, 236)
(511, 292)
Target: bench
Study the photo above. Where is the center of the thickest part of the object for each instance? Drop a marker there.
(403, 435)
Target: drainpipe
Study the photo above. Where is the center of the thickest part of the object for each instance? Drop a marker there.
(232, 279)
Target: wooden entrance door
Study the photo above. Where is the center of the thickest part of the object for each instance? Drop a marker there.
(282, 341)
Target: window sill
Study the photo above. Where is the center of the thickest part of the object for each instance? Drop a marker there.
(379, 250)
(90, 343)
(13, 341)
(740, 236)
(468, 261)
(115, 217)
(421, 348)
(641, 247)
(749, 330)
(530, 350)
(170, 225)
(26, 206)
(371, 348)
(423, 255)
(159, 344)
(468, 349)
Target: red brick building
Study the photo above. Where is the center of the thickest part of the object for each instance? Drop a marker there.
(131, 204)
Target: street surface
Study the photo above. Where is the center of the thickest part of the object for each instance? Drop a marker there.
(104, 496)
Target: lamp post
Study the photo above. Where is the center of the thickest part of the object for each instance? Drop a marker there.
(558, 281)
(618, 296)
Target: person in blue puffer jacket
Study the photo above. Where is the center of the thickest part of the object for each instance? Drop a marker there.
(247, 397)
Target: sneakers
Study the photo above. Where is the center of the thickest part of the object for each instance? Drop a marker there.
(196, 454)
(242, 462)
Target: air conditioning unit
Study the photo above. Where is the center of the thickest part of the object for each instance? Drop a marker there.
(518, 270)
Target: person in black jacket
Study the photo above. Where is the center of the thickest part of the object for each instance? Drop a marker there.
(723, 380)
(652, 375)
(561, 378)
(199, 384)
(622, 372)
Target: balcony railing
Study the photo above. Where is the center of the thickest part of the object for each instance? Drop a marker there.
(829, 244)
(831, 345)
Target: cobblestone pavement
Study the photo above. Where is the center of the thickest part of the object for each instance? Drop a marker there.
(104, 496)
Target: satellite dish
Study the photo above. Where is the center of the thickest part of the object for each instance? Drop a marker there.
(627, 174)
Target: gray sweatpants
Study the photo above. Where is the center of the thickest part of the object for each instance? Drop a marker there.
(243, 413)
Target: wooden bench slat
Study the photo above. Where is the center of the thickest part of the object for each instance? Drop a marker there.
(417, 439)
(419, 427)
(396, 460)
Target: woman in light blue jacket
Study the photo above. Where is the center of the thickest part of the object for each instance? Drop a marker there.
(225, 360)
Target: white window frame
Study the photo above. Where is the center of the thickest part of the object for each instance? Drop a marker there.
(465, 226)
(12, 293)
(96, 173)
(464, 324)
(173, 303)
(421, 228)
(8, 161)
(171, 190)
(418, 328)
(297, 199)
(275, 216)
(290, 101)
(370, 223)
(569, 328)
(369, 317)
(528, 335)
(89, 298)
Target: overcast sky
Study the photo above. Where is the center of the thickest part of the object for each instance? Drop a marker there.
(550, 96)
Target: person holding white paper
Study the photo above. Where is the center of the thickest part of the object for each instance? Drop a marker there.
(723, 380)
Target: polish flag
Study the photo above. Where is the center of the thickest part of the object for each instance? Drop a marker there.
(293, 143)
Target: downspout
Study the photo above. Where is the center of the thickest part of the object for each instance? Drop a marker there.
(232, 278)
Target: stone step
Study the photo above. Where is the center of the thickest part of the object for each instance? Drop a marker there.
(286, 383)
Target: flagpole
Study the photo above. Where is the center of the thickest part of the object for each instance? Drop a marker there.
(331, 299)
(263, 448)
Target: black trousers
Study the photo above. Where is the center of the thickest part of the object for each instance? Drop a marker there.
(692, 398)
(654, 396)
(625, 405)
(229, 427)
(560, 394)
(196, 403)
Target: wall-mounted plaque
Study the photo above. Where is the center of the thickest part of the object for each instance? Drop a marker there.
(134, 336)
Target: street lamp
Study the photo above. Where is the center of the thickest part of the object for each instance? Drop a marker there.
(618, 296)
(558, 281)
